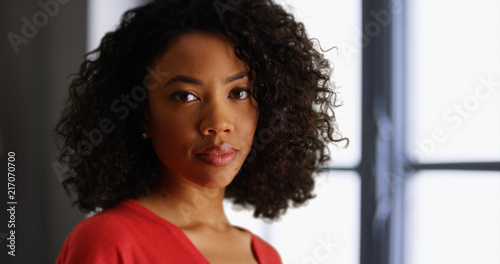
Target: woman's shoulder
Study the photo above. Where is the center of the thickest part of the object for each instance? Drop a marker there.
(126, 233)
(101, 237)
(107, 222)
(263, 250)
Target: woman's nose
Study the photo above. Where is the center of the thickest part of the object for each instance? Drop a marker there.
(216, 119)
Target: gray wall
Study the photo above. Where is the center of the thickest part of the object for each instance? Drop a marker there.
(34, 85)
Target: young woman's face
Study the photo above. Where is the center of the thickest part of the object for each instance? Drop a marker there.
(202, 117)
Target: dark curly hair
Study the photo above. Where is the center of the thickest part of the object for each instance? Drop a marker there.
(99, 130)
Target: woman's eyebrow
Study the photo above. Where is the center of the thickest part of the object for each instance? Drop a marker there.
(237, 76)
(191, 80)
(184, 79)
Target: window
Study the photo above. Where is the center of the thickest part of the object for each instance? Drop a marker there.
(453, 217)
(104, 16)
(452, 196)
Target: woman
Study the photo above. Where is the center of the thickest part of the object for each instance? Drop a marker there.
(184, 104)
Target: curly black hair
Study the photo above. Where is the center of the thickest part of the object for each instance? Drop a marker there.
(99, 130)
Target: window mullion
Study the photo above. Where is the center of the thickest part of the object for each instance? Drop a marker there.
(376, 134)
(400, 162)
(478, 166)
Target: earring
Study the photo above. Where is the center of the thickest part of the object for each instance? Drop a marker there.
(144, 136)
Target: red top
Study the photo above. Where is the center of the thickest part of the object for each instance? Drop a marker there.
(131, 233)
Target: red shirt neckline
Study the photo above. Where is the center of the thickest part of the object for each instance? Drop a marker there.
(134, 205)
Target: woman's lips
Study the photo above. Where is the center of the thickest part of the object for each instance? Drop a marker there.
(217, 160)
(217, 155)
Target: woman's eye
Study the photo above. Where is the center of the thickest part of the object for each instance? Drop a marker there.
(184, 97)
(240, 93)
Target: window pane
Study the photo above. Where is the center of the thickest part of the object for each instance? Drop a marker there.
(326, 230)
(337, 24)
(104, 16)
(453, 217)
(453, 77)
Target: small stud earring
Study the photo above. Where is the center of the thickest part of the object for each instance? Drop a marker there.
(144, 135)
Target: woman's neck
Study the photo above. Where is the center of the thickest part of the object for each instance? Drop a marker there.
(187, 205)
